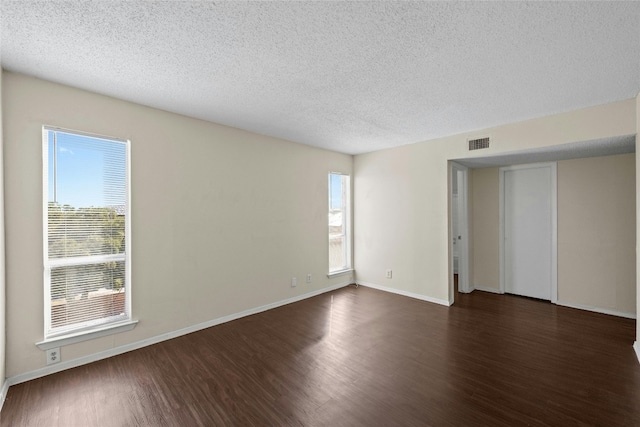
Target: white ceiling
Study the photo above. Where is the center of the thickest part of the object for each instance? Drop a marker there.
(352, 77)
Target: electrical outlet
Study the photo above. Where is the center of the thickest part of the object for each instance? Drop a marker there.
(389, 274)
(53, 355)
(294, 282)
(309, 278)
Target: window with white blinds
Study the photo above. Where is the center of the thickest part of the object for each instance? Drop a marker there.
(87, 232)
(339, 222)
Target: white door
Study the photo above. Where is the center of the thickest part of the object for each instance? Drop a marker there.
(529, 231)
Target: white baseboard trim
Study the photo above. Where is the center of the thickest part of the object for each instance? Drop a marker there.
(3, 393)
(484, 289)
(52, 369)
(468, 291)
(636, 347)
(405, 293)
(597, 310)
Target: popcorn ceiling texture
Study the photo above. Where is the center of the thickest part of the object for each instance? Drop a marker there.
(352, 77)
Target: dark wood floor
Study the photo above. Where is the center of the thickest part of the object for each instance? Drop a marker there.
(361, 357)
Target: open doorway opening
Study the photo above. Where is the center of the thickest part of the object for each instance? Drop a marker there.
(459, 226)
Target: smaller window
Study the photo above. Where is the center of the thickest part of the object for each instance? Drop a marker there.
(339, 223)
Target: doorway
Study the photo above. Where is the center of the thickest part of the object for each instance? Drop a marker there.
(459, 230)
(528, 231)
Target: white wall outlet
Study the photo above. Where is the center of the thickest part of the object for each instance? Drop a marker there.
(53, 355)
(294, 282)
(309, 278)
(389, 273)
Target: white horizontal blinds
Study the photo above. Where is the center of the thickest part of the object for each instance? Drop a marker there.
(77, 232)
(86, 226)
(338, 245)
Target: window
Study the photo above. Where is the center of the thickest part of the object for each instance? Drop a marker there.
(87, 232)
(339, 223)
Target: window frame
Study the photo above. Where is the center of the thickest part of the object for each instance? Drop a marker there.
(346, 232)
(88, 329)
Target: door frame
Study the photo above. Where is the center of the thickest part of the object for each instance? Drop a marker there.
(554, 223)
(463, 215)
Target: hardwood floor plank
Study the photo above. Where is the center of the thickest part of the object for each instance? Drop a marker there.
(359, 356)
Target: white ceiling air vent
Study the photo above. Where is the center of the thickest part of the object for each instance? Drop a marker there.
(479, 143)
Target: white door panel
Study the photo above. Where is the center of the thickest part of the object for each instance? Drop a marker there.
(528, 231)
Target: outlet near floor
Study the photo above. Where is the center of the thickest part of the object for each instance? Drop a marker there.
(53, 355)
(389, 273)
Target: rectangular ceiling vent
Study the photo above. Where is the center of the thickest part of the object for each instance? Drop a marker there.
(478, 144)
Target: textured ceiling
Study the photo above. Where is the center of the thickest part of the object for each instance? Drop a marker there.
(352, 77)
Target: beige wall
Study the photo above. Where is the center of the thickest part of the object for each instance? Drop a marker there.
(222, 219)
(596, 233)
(485, 217)
(397, 225)
(401, 194)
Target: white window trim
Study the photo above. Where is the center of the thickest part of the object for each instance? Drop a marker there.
(348, 268)
(101, 329)
(338, 273)
(86, 260)
(86, 335)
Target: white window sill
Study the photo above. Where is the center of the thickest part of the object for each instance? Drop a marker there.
(339, 273)
(76, 337)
